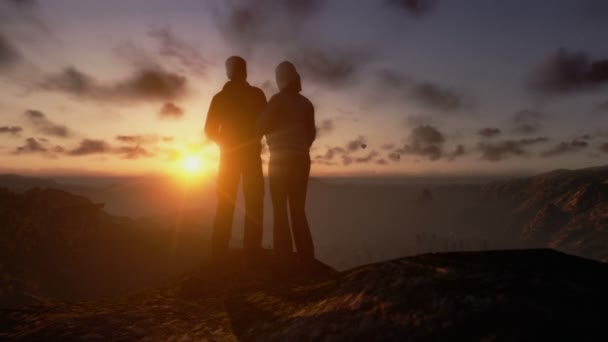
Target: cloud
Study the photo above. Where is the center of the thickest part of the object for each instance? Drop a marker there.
(328, 67)
(31, 146)
(170, 110)
(45, 126)
(498, 151)
(172, 46)
(331, 153)
(566, 147)
(426, 93)
(346, 160)
(90, 146)
(36, 146)
(604, 148)
(569, 72)
(425, 141)
(250, 22)
(437, 97)
(459, 151)
(527, 121)
(381, 162)
(367, 158)
(11, 130)
(140, 139)
(356, 144)
(150, 84)
(387, 147)
(416, 7)
(9, 54)
(602, 107)
(394, 156)
(325, 127)
(133, 152)
(489, 132)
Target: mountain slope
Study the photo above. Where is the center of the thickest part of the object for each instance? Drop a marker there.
(563, 209)
(56, 245)
(474, 296)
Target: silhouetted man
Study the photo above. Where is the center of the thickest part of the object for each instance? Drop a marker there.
(231, 123)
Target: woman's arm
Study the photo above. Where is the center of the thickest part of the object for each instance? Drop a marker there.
(267, 121)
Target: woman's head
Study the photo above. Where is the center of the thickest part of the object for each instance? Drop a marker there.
(287, 77)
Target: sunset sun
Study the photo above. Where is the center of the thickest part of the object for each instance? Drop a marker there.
(192, 164)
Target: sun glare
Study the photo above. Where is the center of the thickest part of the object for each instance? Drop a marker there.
(192, 164)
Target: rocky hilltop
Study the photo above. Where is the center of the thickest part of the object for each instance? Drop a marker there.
(524, 295)
(56, 245)
(563, 209)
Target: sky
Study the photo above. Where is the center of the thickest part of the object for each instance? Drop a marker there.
(399, 86)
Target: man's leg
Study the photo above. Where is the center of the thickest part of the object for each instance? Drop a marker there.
(227, 183)
(298, 186)
(253, 189)
(278, 193)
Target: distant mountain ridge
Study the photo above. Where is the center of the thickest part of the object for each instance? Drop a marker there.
(563, 209)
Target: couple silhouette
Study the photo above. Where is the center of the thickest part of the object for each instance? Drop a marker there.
(239, 116)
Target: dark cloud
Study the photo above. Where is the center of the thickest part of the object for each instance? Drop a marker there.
(527, 121)
(394, 156)
(459, 151)
(325, 127)
(327, 66)
(604, 148)
(154, 84)
(602, 107)
(381, 162)
(90, 146)
(9, 54)
(11, 130)
(31, 146)
(501, 150)
(140, 139)
(347, 160)
(172, 46)
(332, 152)
(437, 97)
(356, 144)
(133, 152)
(566, 147)
(367, 158)
(170, 110)
(387, 147)
(489, 132)
(569, 72)
(45, 126)
(425, 141)
(425, 93)
(250, 22)
(497, 151)
(415, 7)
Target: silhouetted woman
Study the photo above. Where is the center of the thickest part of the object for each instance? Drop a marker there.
(289, 125)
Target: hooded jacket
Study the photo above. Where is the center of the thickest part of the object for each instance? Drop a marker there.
(232, 117)
(289, 118)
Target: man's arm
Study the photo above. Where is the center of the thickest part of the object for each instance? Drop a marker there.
(311, 128)
(212, 124)
(267, 119)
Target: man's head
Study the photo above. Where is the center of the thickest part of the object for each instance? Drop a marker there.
(236, 68)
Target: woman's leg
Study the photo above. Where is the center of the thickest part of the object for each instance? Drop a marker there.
(298, 186)
(278, 194)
